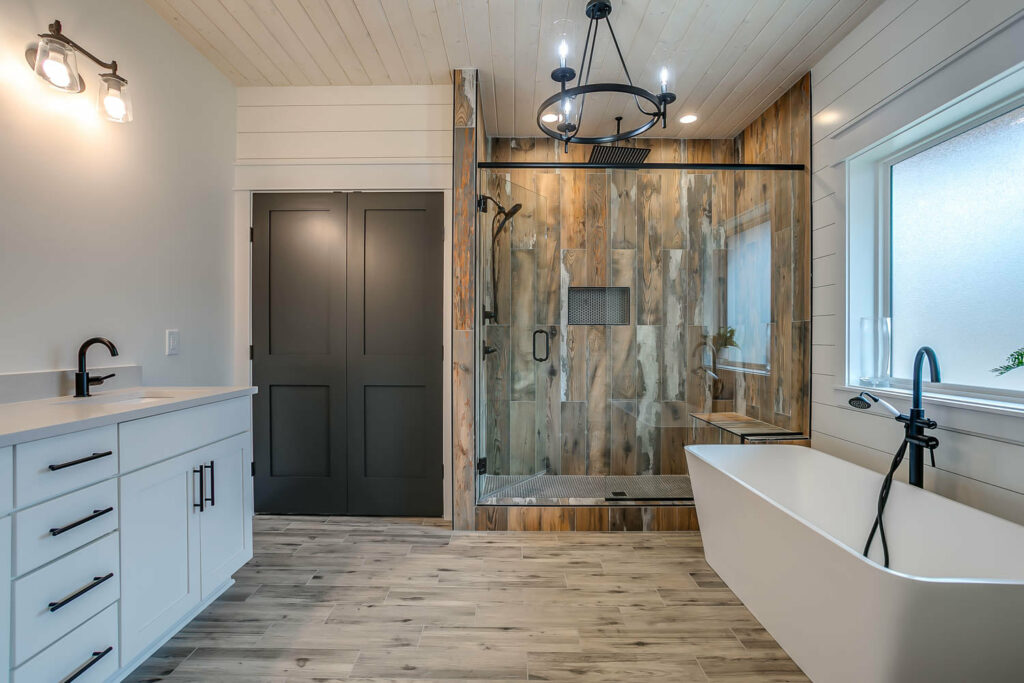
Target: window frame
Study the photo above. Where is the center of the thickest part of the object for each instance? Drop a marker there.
(869, 237)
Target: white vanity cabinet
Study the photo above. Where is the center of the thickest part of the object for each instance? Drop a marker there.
(113, 537)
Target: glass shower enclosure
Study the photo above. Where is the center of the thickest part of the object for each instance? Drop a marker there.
(623, 314)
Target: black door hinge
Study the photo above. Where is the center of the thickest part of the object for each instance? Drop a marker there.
(481, 466)
(252, 468)
(251, 354)
(252, 234)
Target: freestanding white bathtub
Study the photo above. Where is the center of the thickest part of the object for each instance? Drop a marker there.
(785, 526)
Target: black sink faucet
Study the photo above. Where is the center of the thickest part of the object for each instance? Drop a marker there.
(82, 379)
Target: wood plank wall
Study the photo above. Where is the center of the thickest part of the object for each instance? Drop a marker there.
(617, 400)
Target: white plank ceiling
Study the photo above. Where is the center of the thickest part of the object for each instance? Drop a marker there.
(729, 59)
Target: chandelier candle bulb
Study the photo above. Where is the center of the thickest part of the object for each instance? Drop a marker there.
(664, 79)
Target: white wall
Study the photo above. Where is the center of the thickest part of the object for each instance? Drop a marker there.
(905, 60)
(118, 230)
(338, 139)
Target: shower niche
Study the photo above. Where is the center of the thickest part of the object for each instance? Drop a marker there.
(626, 313)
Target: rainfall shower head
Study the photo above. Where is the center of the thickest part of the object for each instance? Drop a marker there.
(860, 402)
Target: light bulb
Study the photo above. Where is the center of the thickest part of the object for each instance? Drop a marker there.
(664, 79)
(563, 52)
(57, 73)
(688, 118)
(114, 106)
(567, 107)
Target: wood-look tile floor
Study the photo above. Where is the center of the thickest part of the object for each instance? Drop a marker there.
(371, 599)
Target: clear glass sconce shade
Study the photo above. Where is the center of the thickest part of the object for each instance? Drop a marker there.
(564, 32)
(114, 101)
(55, 63)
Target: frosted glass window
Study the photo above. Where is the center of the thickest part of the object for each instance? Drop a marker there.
(749, 293)
(958, 254)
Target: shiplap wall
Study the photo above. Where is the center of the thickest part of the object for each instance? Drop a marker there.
(338, 139)
(906, 59)
(345, 137)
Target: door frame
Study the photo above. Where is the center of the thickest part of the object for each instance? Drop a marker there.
(241, 370)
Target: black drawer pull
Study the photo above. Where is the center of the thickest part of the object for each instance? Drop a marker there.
(96, 580)
(96, 656)
(88, 458)
(83, 520)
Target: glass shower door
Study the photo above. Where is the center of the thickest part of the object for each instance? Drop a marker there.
(518, 311)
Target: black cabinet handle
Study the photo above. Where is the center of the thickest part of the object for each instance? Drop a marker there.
(212, 499)
(547, 346)
(202, 488)
(88, 458)
(96, 656)
(96, 580)
(95, 513)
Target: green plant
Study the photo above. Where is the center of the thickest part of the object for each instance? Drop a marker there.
(724, 338)
(1013, 361)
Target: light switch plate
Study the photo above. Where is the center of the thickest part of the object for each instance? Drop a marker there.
(173, 342)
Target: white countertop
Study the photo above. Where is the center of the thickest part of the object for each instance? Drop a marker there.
(31, 420)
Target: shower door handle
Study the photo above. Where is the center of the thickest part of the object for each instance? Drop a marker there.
(547, 346)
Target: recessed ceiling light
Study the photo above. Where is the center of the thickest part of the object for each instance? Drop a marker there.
(689, 118)
(549, 118)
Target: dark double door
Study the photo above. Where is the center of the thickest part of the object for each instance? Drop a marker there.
(347, 353)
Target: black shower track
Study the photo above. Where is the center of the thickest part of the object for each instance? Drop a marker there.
(643, 167)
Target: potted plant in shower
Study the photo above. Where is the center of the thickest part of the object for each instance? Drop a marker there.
(1013, 361)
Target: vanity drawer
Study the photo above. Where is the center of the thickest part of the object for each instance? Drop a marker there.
(6, 479)
(50, 467)
(59, 597)
(152, 439)
(49, 530)
(92, 645)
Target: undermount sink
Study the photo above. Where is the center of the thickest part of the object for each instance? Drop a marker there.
(133, 398)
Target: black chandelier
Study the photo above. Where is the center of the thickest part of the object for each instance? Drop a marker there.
(569, 122)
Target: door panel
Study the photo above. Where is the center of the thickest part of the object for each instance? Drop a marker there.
(394, 354)
(299, 344)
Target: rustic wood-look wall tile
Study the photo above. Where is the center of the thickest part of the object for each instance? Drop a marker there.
(623, 436)
(465, 98)
(780, 342)
(548, 408)
(496, 369)
(598, 405)
(597, 229)
(574, 437)
(623, 337)
(674, 518)
(464, 229)
(673, 211)
(675, 419)
(523, 440)
(650, 305)
(592, 519)
(572, 351)
(549, 267)
(675, 343)
(541, 519)
(491, 518)
(800, 377)
(573, 210)
(524, 277)
(463, 432)
(625, 518)
(622, 195)
(649, 361)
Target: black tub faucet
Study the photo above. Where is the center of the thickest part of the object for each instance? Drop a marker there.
(82, 379)
(916, 422)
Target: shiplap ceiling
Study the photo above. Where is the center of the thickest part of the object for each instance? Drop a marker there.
(729, 59)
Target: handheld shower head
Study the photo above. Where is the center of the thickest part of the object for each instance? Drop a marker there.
(861, 402)
(512, 211)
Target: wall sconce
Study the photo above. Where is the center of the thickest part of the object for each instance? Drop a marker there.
(54, 60)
